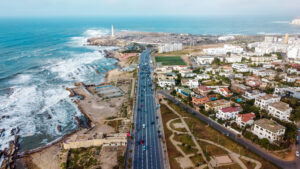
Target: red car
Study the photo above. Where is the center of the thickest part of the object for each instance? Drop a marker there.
(142, 141)
(128, 134)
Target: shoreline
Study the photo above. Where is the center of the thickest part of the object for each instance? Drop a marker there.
(21, 155)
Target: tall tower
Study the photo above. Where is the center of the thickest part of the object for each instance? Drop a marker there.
(112, 31)
(286, 39)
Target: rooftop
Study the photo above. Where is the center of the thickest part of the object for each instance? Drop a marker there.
(280, 106)
(246, 117)
(269, 125)
(217, 103)
(230, 109)
(268, 96)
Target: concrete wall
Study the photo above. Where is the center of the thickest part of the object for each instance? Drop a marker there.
(95, 142)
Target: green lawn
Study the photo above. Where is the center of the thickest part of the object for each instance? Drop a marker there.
(170, 60)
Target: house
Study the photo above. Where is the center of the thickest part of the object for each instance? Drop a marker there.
(253, 82)
(268, 129)
(205, 60)
(217, 104)
(224, 92)
(244, 119)
(238, 75)
(188, 74)
(291, 79)
(239, 88)
(184, 92)
(288, 91)
(191, 83)
(202, 76)
(228, 113)
(200, 101)
(234, 59)
(166, 82)
(264, 101)
(202, 90)
(280, 110)
(253, 94)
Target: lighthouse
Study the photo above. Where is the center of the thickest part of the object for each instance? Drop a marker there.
(112, 31)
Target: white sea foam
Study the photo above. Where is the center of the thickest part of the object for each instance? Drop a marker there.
(82, 40)
(21, 79)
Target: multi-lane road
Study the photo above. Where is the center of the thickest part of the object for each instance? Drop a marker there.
(147, 146)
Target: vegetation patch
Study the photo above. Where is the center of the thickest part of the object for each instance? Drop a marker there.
(188, 149)
(184, 138)
(170, 60)
(197, 160)
(83, 158)
(172, 151)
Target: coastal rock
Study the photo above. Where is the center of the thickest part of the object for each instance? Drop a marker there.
(79, 121)
(1, 132)
(103, 42)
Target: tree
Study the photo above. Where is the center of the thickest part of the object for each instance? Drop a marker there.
(216, 61)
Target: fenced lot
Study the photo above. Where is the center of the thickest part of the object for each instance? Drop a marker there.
(169, 60)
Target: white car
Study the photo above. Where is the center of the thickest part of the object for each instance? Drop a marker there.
(297, 153)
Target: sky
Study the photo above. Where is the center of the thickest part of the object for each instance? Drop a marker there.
(148, 7)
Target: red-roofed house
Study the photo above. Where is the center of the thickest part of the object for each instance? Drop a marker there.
(200, 101)
(245, 119)
(228, 113)
(224, 92)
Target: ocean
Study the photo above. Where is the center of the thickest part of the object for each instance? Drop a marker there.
(40, 57)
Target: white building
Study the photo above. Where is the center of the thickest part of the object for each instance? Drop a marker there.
(226, 38)
(166, 83)
(268, 129)
(163, 48)
(188, 74)
(202, 76)
(280, 110)
(228, 113)
(264, 101)
(234, 59)
(245, 119)
(224, 91)
(253, 94)
(191, 83)
(291, 79)
(205, 60)
(240, 67)
(293, 53)
(222, 51)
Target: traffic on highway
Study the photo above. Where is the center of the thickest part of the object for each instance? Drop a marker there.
(147, 148)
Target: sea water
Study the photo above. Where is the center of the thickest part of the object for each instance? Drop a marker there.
(40, 57)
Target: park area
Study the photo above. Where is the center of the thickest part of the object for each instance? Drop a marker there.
(169, 60)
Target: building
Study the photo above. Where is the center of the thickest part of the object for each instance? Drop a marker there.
(166, 82)
(288, 91)
(234, 59)
(239, 88)
(228, 113)
(253, 82)
(280, 110)
(224, 92)
(243, 120)
(191, 83)
(264, 101)
(268, 129)
(293, 53)
(184, 92)
(217, 105)
(291, 79)
(202, 77)
(202, 90)
(205, 60)
(253, 94)
(163, 48)
(222, 51)
(200, 101)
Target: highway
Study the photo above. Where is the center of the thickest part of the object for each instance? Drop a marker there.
(147, 153)
(246, 143)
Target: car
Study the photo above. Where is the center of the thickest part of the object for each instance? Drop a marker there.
(144, 148)
(298, 129)
(144, 126)
(152, 122)
(141, 141)
(158, 131)
(297, 153)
